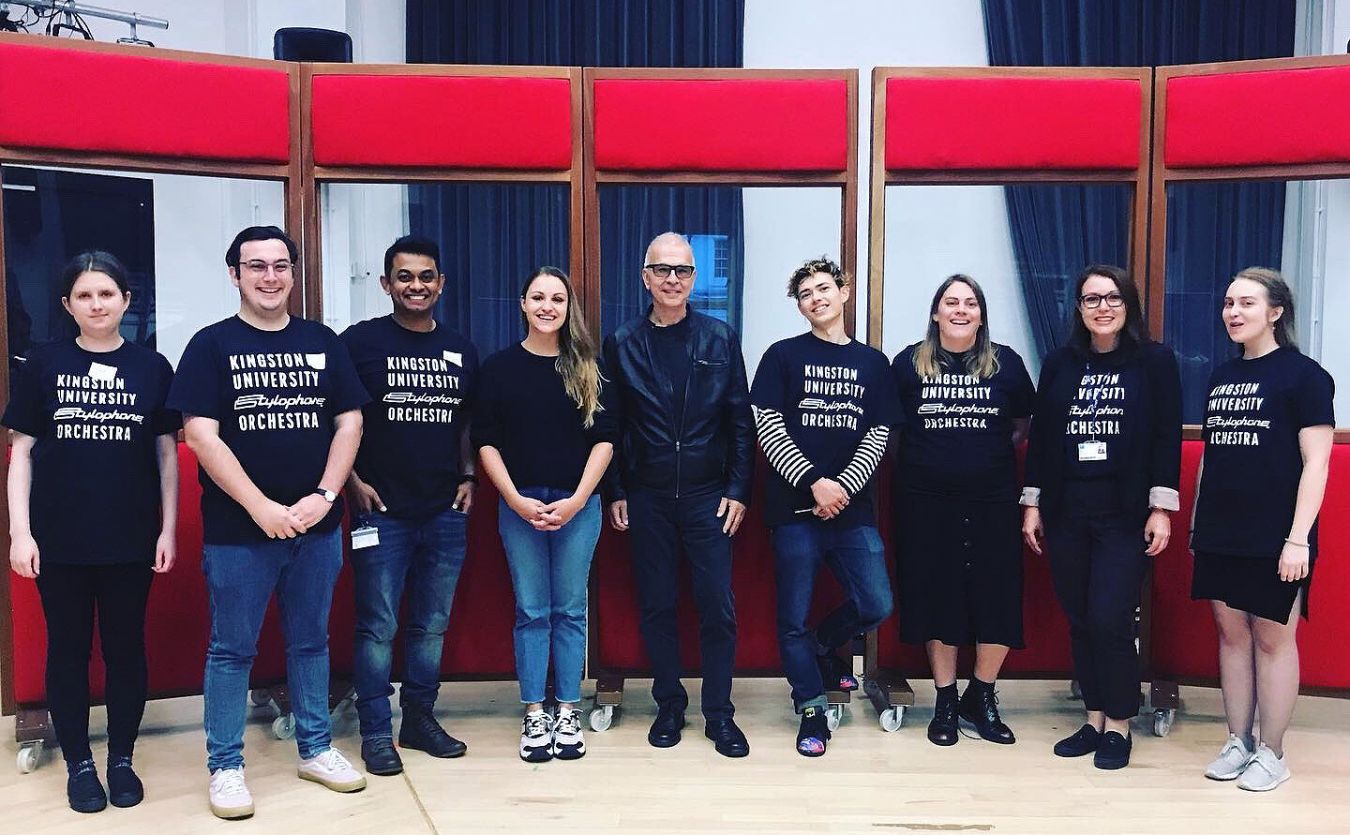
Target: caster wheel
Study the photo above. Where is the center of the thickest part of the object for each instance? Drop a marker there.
(833, 715)
(602, 718)
(259, 697)
(891, 719)
(283, 727)
(1162, 721)
(1075, 692)
(29, 758)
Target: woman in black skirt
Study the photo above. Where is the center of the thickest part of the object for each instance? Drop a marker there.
(1103, 464)
(966, 404)
(1268, 435)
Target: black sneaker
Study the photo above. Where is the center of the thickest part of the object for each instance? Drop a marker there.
(1084, 741)
(420, 731)
(836, 673)
(979, 707)
(536, 737)
(83, 789)
(813, 733)
(124, 787)
(1114, 751)
(381, 757)
(943, 729)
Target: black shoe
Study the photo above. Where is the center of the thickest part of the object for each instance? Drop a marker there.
(124, 787)
(1114, 751)
(979, 707)
(836, 673)
(665, 731)
(813, 733)
(420, 732)
(381, 757)
(943, 729)
(727, 738)
(83, 789)
(1084, 741)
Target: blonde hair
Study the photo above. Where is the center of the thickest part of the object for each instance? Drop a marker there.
(981, 362)
(576, 362)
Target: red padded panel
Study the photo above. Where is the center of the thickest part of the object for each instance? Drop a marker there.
(453, 122)
(1012, 123)
(1258, 118)
(721, 125)
(86, 101)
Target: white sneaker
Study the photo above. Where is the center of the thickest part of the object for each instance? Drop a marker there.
(1232, 760)
(1264, 772)
(536, 737)
(568, 743)
(229, 794)
(332, 770)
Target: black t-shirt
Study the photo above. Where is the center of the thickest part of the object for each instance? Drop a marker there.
(1103, 409)
(671, 345)
(837, 404)
(275, 394)
(1253, 464)
(522, 410)
(96, 417)
(957, 436)
(421, 390)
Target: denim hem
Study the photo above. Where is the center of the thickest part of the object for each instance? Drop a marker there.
(214, 768)
(816, 701)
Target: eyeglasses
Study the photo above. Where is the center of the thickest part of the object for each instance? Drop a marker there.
(1092, 301)
(280, 269)
(682, 271)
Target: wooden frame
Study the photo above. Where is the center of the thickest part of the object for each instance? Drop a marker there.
(288, 174)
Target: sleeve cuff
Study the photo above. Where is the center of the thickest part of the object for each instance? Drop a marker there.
(1031, 497)
(806, 479)
(1164, 498)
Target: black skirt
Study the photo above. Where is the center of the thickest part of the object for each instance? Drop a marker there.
(1250, 584)
(959, 570)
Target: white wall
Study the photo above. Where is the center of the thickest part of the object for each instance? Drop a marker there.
(1334, 345)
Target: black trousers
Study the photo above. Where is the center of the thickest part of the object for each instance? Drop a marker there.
(660, 529)
(1097, 561)
(70, 596)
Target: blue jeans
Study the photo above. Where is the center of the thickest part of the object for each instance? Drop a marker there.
(426, 556)
(858, 560)
(550, 571)
(240, 580)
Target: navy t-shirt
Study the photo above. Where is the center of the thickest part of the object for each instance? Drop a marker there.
(1253, 415)
(957, 436)
(95, 418)
(830, 398)
(275, 394)
(421, 391)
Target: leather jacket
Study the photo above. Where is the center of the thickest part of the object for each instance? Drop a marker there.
(711, 446)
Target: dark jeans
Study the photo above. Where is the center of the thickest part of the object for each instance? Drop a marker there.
(425, 557)
(660, 529)
(857, 559)
(70, 595)
(1098, 562)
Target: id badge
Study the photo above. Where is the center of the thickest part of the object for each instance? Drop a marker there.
(365, 537)
(1092, 451)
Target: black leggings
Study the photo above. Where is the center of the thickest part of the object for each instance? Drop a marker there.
(70, 594)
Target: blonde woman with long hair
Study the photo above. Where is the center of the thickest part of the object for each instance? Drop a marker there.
(545, 435)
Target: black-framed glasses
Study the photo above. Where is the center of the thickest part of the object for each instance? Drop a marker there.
(682, 271)
(1092, 301)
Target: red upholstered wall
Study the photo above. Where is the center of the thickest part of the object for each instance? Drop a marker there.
(1258, 118)
(721, 125)
(449, 121)
(1012, 123)
(142, 105)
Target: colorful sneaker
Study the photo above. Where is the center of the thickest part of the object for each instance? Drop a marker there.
(1264, 771)
(1232, 760)
(813, 733)
(568, 743)
(536, 737)
(332, 770)
(836, 673)
(229, 794)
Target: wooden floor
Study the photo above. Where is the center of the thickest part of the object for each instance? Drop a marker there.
(869, 781)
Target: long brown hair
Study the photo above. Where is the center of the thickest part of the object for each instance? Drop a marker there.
(576, 350)
(1279, 295)
(982, 361)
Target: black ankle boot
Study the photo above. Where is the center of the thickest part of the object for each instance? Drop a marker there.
(943, 729)
(83, 789)
(979, 707)
(124, 787)
(420, 731)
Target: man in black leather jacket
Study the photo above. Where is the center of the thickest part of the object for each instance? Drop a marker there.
(683, 481)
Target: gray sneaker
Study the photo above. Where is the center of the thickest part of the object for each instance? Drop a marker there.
(1232, 760)
(1264, 772)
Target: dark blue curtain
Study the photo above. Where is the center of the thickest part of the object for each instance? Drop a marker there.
(1056, 230)
(503, 232)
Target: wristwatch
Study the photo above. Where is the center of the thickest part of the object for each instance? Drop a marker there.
(328, 495)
